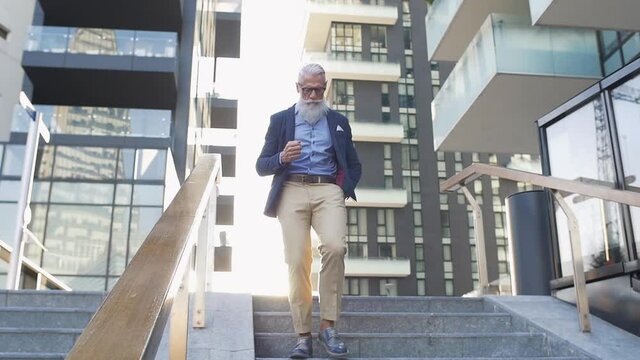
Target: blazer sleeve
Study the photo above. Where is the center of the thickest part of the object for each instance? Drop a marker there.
(353, 163)
(268, 162)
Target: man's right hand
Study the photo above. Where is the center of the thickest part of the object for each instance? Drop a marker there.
(291, 151)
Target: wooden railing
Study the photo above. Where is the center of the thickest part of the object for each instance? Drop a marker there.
(556, 186)
(130, 322)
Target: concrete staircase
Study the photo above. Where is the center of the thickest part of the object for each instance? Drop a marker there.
(43, 324)
(413, 328)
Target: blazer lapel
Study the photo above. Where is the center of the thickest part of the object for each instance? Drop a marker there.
(332, 123)
(290, 131)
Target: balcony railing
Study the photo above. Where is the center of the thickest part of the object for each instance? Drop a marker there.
(98, 121)
(91, 41)
(594, 14)
(380, 198)
(451, 24)
(509, 46)
(337, 67)
(373, 266)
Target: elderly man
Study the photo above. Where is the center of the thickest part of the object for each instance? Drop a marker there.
(308, 149)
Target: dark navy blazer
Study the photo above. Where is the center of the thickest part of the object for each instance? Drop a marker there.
(282, 130)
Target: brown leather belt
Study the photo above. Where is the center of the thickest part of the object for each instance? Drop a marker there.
(311, 179)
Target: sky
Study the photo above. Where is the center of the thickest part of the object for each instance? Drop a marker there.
(270, 57)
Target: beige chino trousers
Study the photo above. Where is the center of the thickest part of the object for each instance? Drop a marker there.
(322, 207)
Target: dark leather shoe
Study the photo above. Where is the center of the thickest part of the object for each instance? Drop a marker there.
(332, 344)
(303, 349)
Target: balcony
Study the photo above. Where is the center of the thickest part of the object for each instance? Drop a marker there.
(452, 24)
(164, 15)
(372, 267)
(102, 67)
(511, 74)
(597, 14)
(321, 13)
(354, 69)
(377, 132)
(379, 198)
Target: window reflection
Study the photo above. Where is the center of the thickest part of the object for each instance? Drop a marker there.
(580, 149)
(85, 163)
(7, 211)
(626, 105)
(142, 221)
(119, 237)
(77, 239)
(13, 158)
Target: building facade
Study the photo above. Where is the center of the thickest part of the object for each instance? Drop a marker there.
(561, 76)
(404, 237)
(127, 93)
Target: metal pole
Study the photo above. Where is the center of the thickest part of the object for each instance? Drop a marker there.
(481, 252)
(579, 281)
(23, 212)
(204, 265)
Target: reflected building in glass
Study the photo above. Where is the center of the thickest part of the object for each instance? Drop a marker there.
(114, 88)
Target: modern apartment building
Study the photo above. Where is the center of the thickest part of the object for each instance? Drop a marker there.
(405, 238)
(128, 93)
(561, 76)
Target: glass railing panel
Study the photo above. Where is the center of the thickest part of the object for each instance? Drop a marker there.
(92, 41)
(47, 39)
(470, 75)
(155, 44)
(98, 121)
(438, 20)
(525, 49)
(509, 44)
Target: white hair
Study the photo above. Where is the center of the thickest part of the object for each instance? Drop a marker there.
(310, 69)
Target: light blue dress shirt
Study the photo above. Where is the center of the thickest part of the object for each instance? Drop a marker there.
(317, 156)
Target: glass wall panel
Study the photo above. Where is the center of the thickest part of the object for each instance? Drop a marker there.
(13, 159)
(37, 227)
(77, 239)
(9, 190)
(85, 163)
(86, 283)
(8, 212)
(142, 221)
(150, 164)
(119, 236)
(40, 193)
(148, 195)
(126, 163)
(580, 149)
(81, 193)
(123, 194)
(626, 106)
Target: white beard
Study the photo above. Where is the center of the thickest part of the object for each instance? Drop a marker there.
(312, 110)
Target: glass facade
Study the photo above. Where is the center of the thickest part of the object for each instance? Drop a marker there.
(594, 143)
(617, 48)
(626, 107)
(90, 41)
(91, 207)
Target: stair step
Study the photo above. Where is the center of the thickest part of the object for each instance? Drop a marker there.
(37, 340)
(421, 304)
(390, 322)
(30, 317)
(449, 358)
(90, 300)
(518, 345)
(32, 356)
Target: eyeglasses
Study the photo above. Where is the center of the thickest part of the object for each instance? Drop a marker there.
(307, 91)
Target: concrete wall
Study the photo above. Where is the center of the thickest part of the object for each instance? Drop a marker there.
(16, 17)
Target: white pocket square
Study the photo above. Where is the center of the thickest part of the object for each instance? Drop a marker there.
(339, 128)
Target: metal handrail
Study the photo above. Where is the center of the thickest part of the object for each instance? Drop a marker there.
(556, 185)
(130, 322)
(43, 278)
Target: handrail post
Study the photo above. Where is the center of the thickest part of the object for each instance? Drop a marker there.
(579, 281)
(178, 332)
(481, 253)
(204, 263)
